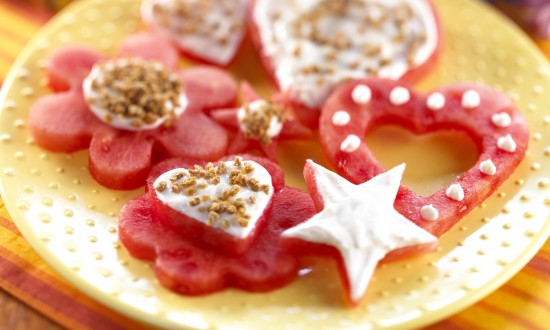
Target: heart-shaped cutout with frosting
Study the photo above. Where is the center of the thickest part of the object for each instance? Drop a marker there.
(230, 197)
(489, 118)
(309, 47)
(209, 30)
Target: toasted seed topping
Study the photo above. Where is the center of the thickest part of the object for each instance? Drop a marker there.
(193, 14)
(161, 186)
(142, 92)
(224, 208)
(258, 118)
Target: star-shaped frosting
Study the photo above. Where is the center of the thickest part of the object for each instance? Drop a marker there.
(360, 222)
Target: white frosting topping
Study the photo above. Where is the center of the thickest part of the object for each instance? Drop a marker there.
(361, 94)
(210, 29)
(122, 122)
(436, 101)
(351, 143)
(364, 38)
(507, 143)
(360, 222)
(501, 119)
(455, 192)
(341, 118)
(275, 124)
(399, 96)
(429, 212)
(487, 167)
(181, 202)
(471, 99)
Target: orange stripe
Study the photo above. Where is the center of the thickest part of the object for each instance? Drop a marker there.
(35, 13)
(25, 28)
(452, 323)
(526, 296)
(541, 262)
(513, 318)
(43, 297)
(9, 226)
(12, 35)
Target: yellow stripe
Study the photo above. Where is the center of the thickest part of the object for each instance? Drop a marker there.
(4, 68)
(519, 307)
(19, 247)
(16, 24)
(531, 285)
(10, 46)
(484, 319)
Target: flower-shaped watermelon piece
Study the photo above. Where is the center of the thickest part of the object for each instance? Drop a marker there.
(259, 124)
(489, 118)
(195, 259)
(118, 158)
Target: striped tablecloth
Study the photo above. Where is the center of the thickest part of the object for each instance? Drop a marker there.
(522, 303)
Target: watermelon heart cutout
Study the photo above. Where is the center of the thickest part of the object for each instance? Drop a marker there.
(489, 118)
(309, 47)
(183, 202)
(431, 163)
(208, 30)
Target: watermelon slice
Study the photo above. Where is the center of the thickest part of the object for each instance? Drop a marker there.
(120, 159)
(308, 48)
(208, 30)
(488, 117)
(187, 264)
(291, 129)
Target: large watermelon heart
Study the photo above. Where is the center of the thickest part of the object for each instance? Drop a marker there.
(488, 117)
(309, 47)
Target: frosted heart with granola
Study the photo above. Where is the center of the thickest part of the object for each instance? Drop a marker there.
(309, 47)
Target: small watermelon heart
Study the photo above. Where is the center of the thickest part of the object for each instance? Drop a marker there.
(208, 30)
(309, 47)
(488, 117)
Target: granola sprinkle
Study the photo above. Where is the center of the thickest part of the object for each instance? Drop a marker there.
(140, 92)
(226, 207)
(261, 120)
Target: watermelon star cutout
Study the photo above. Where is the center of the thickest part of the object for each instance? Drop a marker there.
(359, 221)
(282, 127)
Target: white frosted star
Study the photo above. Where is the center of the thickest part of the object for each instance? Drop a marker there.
(361, 222)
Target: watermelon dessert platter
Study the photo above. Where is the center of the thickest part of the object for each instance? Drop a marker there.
(214, 214)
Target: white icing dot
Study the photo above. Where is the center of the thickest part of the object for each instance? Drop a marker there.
(340, 118)
(436, 101)
(351, 143)
(361, 94)
(399, 96)
(429, 212)
(506, 143)
(487, 167)
(501, 119)
(470, 99)
(455, 192)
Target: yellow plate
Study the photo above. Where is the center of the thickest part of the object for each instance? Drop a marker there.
(71, 221)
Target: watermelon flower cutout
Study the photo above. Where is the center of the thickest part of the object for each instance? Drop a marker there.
(131, 109)
(259, 124)
(210, 226)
